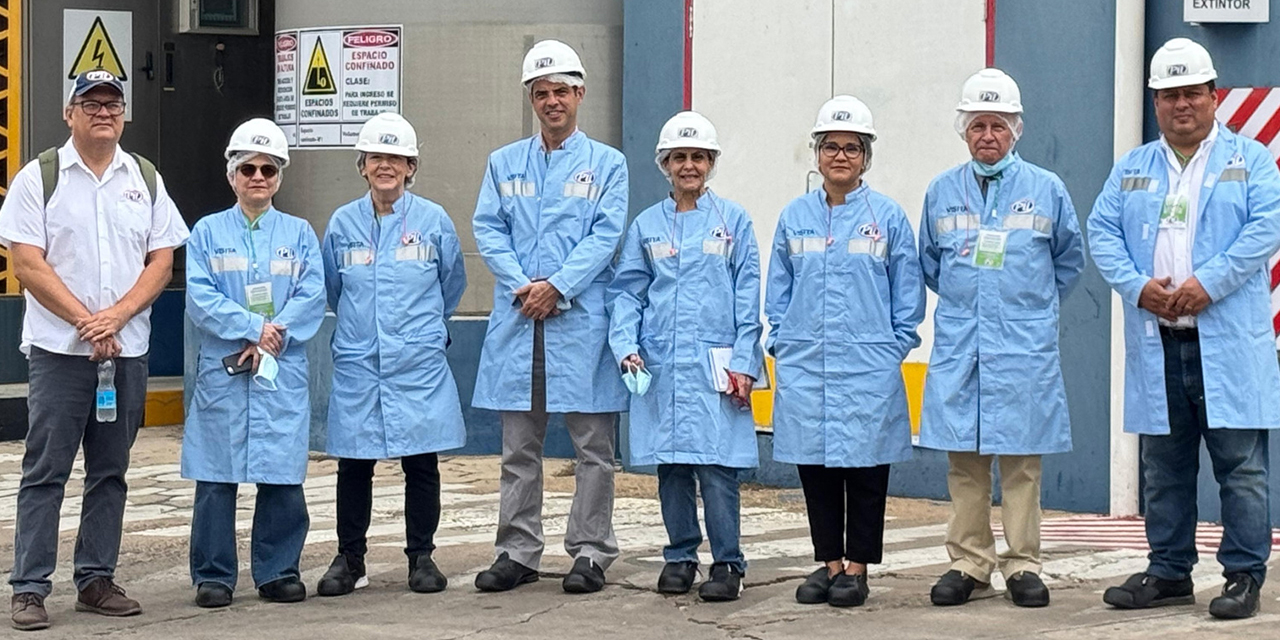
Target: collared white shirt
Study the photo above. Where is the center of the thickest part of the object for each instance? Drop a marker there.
(1174, 244)
(96, 235)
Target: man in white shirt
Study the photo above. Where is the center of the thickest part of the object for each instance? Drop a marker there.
(93, 250)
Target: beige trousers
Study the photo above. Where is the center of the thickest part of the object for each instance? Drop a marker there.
(970, 541)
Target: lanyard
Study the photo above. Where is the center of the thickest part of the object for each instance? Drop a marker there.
(875, 221)
(249, 228)
(992, 182)
(715, 206)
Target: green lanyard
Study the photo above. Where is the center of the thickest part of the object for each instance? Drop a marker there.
(249, 228)
(994, 183)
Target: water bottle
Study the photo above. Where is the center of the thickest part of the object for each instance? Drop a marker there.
(107, 391)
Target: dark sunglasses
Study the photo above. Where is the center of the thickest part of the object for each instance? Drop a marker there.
(269, 171)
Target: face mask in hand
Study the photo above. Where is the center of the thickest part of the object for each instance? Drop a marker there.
(637, 382)
(268, 369)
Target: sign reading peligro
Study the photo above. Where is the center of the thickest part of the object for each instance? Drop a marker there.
(330, 80)
(1226, 10)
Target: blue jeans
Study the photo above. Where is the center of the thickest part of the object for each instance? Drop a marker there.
(677, 486)
(280, 524)
(1171, 464)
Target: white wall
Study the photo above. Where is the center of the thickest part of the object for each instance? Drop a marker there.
(761, 69)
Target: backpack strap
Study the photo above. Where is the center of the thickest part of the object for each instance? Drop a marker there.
(49, 172)
(148, 175)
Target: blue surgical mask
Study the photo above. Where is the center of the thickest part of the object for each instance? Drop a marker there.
(637, 382)
(988, 170)
(268, 369)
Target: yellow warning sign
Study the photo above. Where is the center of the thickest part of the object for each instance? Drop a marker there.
(97, 52)
(319, 76)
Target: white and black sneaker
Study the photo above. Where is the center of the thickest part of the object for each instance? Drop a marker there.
(345, 574)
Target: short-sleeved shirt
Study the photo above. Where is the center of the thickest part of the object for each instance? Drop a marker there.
(96, 234)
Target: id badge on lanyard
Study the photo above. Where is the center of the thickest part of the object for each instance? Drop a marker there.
(1173, 212)
(257, 293)
(991, 249)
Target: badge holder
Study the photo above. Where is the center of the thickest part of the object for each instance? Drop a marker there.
(257, 297)
(990, 250)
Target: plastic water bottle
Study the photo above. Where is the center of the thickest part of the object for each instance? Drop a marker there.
(106, 391)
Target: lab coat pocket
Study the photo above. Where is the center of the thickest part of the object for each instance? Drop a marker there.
(132, 222)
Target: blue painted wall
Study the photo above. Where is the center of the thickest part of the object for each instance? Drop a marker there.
(652, 89)
(1245, 55)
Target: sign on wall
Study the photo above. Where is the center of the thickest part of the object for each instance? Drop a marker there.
(98, 40)
(1226, 10)
(329, 81)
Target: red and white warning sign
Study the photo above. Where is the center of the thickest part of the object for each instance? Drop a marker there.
(1255, 112)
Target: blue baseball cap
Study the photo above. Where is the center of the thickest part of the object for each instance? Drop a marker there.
(91, 80)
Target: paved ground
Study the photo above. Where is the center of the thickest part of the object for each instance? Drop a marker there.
(1079, 565)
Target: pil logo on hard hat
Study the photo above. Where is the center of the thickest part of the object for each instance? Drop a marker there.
(989, 96)
(1176, 70)
(841, 116)
(261, 140)
(688, 132)
(99, 75)
(543, 63)
(285, 253)
(389, 138)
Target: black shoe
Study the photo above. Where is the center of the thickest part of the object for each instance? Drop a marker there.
(425, 576)
(725, 584)
(1239, 598)
(816, 588)
(585, 577)
(345, 574)
(677, 577)
(1027, 590)
(956, 587)
(1143, 591)
(505, 575)
(848, 590)
(212, 595)
(283, 590)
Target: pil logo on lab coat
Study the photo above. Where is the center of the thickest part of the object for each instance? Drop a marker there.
(585, 177)
(868, 230)
(1025, 205)
(413, 238)
(720, 233)
(285, 253)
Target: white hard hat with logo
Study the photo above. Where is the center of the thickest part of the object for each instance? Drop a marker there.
(388, 133)
(550, 57)
(687, 130)
(259, 135)
(1181, 63)
(990, 90)
(844, 113)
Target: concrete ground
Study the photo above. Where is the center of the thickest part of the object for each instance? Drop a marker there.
(153, 567)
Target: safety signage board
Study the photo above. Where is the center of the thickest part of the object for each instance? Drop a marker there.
(94, 40)
(1255, 112)
(330, 80)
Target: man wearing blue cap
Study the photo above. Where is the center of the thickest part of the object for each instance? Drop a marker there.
(91, 231)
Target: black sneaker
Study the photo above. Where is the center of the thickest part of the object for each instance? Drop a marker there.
(956, 587)
(725, 584)
(345, 574)
(816, 587)
(425, 576)
(1026, 589)
(1143, 591)
(585, 577)
(283, 590)
(677, 577)
(1239, 598)
(213, 595)
(848, 590)
(505, 575)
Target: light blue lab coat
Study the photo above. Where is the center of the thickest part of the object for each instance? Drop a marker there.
(672, 308)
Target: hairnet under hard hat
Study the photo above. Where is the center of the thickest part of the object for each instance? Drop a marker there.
(966, 118)
(240, 157)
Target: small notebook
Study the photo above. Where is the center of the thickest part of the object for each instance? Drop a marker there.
(720, 358)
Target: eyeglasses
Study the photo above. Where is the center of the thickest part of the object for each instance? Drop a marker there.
(831, 150)
(269, 171)
(93, 107)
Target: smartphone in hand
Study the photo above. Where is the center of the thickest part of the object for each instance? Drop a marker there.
(232, 365)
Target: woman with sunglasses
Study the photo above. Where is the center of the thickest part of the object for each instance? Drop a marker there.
(394, 274)
(844, 298)
(255, 293)
(688, 284)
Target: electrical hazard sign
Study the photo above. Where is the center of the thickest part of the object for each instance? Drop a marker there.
(94, 39)
(331, 80)
(319, 77)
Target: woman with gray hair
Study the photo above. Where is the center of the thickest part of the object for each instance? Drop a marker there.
(255, 293)
(394, 275)
(843, 299)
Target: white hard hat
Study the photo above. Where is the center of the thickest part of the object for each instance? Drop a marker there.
(1181, 63)
(388, 133)
(844, 113)
(259, 135)
(550, 57)
(990, 90)
(686, 130)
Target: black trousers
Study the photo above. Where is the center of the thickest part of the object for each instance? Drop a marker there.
(846, 511)
(421, 503)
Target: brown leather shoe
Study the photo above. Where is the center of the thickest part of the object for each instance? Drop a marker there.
(28, 612)
(104, 597)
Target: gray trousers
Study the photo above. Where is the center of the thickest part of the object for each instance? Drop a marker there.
(589, 532)
(61, 405)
